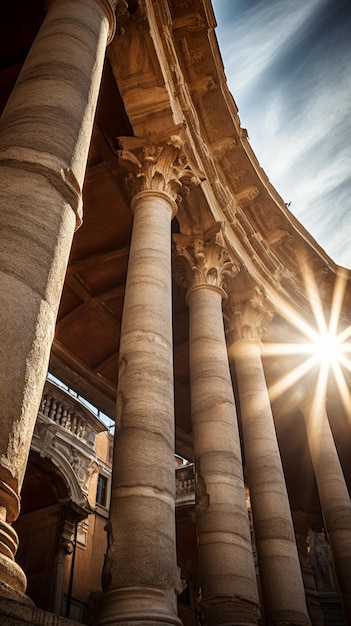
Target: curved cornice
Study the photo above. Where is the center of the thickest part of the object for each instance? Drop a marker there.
(180, 77)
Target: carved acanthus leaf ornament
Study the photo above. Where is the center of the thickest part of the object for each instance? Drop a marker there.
(155, 164)
(249, 316)
(205, 261)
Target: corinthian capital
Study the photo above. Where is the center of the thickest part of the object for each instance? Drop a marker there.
(249, 314)
(157, 164)
(110, 7)
(203, 261)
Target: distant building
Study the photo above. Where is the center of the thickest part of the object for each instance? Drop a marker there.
(65, 502)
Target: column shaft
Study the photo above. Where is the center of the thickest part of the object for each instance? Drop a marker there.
(141, 576)
(333, 494)
(279, 567)
(226, 566)
(45, 132)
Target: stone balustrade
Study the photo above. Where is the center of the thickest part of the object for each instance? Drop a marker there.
(185, 485)
(67, 411)
(60, 414)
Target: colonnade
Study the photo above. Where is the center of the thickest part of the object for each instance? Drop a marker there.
(44, 138)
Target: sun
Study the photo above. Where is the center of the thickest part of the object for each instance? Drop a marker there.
(326, 348)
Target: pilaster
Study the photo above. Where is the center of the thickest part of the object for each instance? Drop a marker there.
(226, 567)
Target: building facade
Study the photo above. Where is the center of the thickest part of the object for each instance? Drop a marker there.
(149, 264)
(64, 507)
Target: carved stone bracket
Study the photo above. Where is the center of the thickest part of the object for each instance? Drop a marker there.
(157, 163)
(203, 261)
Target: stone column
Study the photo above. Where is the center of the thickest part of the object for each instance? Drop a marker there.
(141, 578)
(332, 489)
(280, 573)
(226, 566)
(45, 132)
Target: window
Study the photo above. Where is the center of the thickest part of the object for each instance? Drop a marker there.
(101, 492)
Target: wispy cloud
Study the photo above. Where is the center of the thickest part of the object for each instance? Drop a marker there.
(252, 40)
(288, 67)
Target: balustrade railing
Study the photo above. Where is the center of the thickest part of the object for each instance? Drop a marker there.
(185, 484)
(64, 414)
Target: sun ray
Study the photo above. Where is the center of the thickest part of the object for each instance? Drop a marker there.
(314, 299)
(317, 409)
(344, 336)
(284, 383)
(324, 345)
(277, 349)
(299, 322)
(344, 391)
(345, 362)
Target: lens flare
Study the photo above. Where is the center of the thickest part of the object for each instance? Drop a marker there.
(328, 349)
(325, 348)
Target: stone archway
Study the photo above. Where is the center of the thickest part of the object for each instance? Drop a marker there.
(45, 528)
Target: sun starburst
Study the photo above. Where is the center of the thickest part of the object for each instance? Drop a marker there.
(326, 347)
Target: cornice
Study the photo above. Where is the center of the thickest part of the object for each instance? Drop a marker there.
(189, 86)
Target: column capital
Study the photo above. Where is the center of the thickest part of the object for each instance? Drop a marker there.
(157, 163)
(110, 7)
(203, 260)
(248, 314)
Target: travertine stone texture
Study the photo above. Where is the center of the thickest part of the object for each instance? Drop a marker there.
(44, 139)
(333, 493)
(140, 575)
(280, 574)
(226, 567)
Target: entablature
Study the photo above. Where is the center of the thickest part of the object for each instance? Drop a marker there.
(175, 52)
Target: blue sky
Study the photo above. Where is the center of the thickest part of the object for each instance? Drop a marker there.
(288, 66)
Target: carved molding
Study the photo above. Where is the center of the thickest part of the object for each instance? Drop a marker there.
(67, 454)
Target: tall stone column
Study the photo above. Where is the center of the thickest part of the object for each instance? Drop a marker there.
(279, 567)
(332, 489)
(226, 566)
(141, 578)
(45, 132)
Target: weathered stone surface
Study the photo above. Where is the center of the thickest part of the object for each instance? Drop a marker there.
(140, 575)
(280, 574)
(45, 133)
(226, 566)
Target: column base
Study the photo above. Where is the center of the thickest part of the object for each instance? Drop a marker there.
(12, 575)
(227, 611)
(136, 606)
(292, 620)
(13, 596)
(17, 609)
